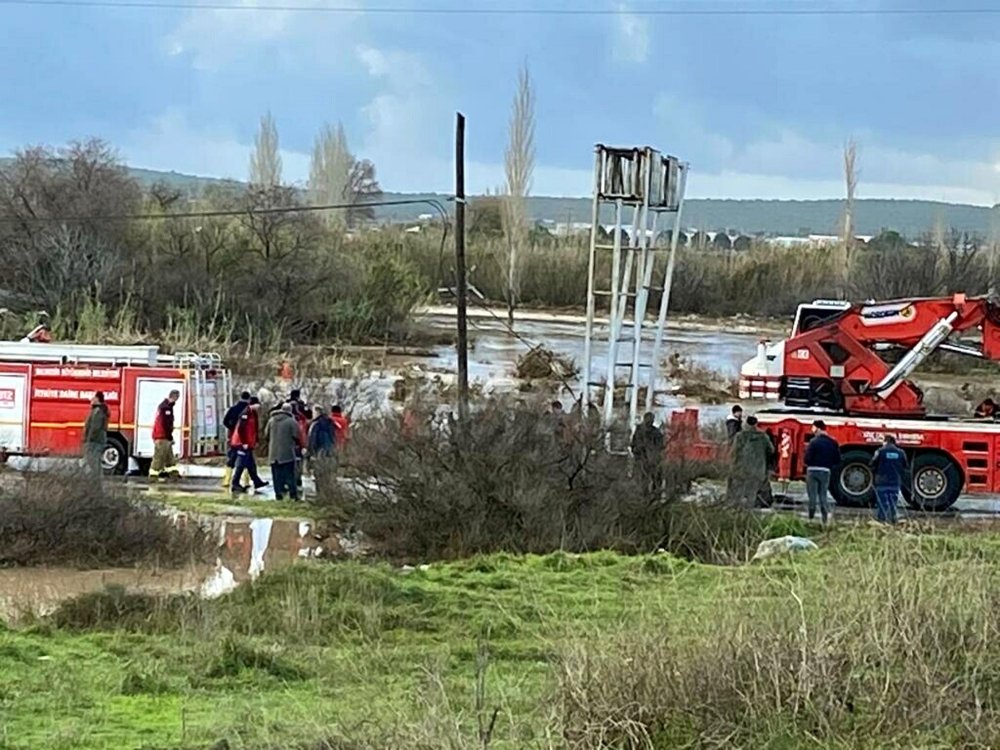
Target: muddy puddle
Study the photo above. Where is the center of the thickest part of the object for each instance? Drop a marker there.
(247, 547)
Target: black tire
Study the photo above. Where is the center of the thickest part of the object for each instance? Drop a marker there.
(852, 483)
(114, 459)
(935, 483)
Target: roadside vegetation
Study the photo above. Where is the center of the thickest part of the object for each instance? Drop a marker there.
(513, 479)
(57, 519)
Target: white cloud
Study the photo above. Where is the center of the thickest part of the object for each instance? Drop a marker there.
(631, 37)
(217, 37)
(170, 143)
(781, 162)
(408, 120)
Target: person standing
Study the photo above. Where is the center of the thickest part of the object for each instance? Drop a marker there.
(647, 449)
(734, 422)
(283, 439)
(230, 422)
(822, 457)
(321, 443)
(300, 413)
(751, 452)
(244, 441)
(95, 434)
(889, 466)
(342, 426)
(164, 464)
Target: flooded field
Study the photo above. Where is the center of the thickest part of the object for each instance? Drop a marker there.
(247, 547)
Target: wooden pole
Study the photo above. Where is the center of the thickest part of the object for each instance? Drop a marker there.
(461, 287)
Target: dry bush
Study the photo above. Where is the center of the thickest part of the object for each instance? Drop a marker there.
(698, 381)
(897, 653)
(540, 363)
(69, 519)
(512, 479)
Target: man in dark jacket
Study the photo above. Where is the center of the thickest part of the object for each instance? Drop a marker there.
(322, 441)
(283, 443)
(751, 452)
(647, 449)
(889, 466)
(95, 434)
(229, 421)
(734, 422)
(244, 440)
(822, 457)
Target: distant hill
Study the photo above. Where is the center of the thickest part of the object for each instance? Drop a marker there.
(911, 218)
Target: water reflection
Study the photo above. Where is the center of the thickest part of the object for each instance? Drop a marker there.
(246, 549)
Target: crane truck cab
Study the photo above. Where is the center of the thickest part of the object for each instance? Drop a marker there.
(763, 376)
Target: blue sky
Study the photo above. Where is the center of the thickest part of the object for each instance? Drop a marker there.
(760, 105)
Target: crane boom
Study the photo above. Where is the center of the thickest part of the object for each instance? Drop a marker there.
(833, 358)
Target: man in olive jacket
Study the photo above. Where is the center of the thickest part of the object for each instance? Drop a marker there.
(283, 437)
(752, 450)
(95, 434)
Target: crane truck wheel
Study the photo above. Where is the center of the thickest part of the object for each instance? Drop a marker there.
(852, 482)
(936, 483)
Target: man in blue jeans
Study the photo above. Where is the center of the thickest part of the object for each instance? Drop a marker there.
(889, 466)
(822, 457)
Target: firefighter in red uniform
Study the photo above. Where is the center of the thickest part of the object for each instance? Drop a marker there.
(164, 464)
(244, 440)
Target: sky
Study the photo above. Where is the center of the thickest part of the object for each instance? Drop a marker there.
(759, 105)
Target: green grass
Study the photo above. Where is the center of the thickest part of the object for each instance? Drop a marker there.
(326, 650)
(222, 504)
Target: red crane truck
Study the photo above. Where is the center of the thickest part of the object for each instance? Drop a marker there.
(832, 367)
(45, 392)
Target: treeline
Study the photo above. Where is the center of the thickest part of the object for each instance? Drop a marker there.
(71, 247)
(247, 270)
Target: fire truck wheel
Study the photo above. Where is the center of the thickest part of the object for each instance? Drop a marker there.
(114, 460)
(936, 483)
(851, 484)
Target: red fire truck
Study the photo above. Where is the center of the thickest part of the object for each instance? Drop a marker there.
(835, 366)
(45, 393)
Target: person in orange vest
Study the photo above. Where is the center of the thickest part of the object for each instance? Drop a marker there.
(342, 422)
(164, 464)
(244, 441)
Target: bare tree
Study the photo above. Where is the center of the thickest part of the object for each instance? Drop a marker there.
(519, 164)
(337, 177)
(48, 251)
(330, 171)
(847, 239)
(265, 161)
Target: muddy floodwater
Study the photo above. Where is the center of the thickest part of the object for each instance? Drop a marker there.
(494, 353)
(247, 547)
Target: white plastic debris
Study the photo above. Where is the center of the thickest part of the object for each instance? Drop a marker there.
(783, 545)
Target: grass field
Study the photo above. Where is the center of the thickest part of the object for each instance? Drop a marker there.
(220, 504)
(878, 640)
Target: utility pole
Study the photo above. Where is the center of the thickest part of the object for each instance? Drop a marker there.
(461, 287)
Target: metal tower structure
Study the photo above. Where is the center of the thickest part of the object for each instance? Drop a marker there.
(650, 187)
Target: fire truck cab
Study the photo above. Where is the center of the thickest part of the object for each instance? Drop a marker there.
(45, 393)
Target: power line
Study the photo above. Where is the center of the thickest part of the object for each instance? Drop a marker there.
(505, 11)
(231, 212)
